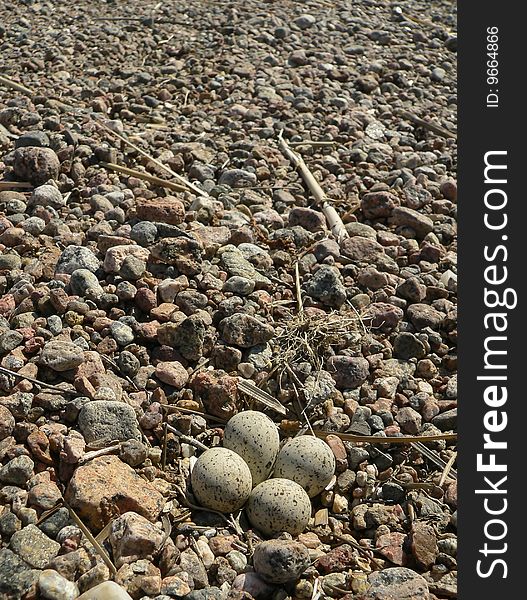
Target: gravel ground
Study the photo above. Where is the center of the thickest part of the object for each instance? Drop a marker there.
(137, 317)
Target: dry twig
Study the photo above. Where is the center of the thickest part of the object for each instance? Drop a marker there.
(145, 177)
(334, 221)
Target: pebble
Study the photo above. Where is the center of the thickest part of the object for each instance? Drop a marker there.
(107, 421)
(77, 257)
(326, 285)
(36, 165)
(53, 586)
(109, 477)
(280, 561)
(34, 547)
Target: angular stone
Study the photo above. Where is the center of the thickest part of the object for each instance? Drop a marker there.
(161, 210)
(245, 330)
(107, 487)
(34, 547)
(16, 577)
(61, 356)
(280, 561)
(133, 537)
(396, 583)
(107, 420)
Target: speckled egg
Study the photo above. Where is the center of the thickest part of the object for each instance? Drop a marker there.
(253, 436)
(307, 460)
(278, 505)
(221, 480)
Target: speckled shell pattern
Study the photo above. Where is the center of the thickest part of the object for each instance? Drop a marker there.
(255, 438)
(307, 460)
(221, 480)
(278, 505)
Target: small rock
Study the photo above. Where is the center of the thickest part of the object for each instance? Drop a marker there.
(36, 165)
(161, 210)
(172, 373)
(105, 487)
(16, 577)
(108, 590)
(280, 561)
(84, 282)
(423, 544)
(312, 220)
(347, 371)
(238, 178)
(47, 195)
(34, 547)
(408, 217)
(17, 471)
(245, 331)
(305, 21)
(61, 356)
(133, 537)
(77, 257)
(326, 285)
(396, 582)
(107, 420)
(55, 587)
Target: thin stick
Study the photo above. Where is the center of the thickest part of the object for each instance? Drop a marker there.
(182, 180)
(442, 131)
(334, 221)
(247, 387)
(298, 290)
(14, 185)
(447, 469)
(101, 551)
(37, 381)
(9, 83)
(185, 438)
(405, 439)
(145, 176)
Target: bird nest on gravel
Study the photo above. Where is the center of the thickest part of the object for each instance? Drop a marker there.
(313, 338)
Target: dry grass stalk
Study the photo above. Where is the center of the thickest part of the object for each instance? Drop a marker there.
(182, 180)
(247, 387)
(447, 470)
(432, 455)
(437, 129)
(186, 438)
(405, 439)
(43, 384)
(100, 550)
(334, 221)
(308, 338)
(9, 83)
(14, 185)
(145, 177)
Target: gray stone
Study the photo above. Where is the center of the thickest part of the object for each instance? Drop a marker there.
(77, 257)
(54, 586)
(245, 330)
(326, 285)
(424, 315)
(407, 346)
(446, 421)
(408, 217)
(396, 582)
(305, 21)
(16, 577)
(238, 178)
(107, 420)
(122, 333)
(280, 561)
(34, 547)
(83, 281)
(348, 372)
(47, 195)
(17, 471)
(239, 285)
(61, 356)
(9, 341)
(38, 139)
(144, 233)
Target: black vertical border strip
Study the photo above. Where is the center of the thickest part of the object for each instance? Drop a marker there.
(480, 130)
